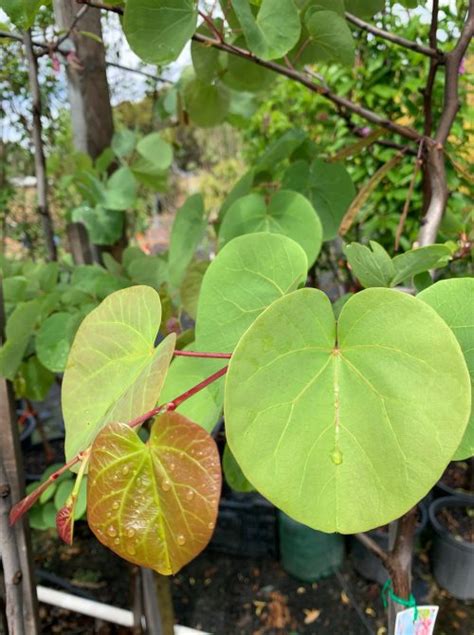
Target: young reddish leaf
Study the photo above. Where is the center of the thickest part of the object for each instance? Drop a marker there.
(154, 504)
(65, 521)
(66, 515)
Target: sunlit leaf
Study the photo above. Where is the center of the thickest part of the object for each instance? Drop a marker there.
(250, 273)
(287, 213)
(162, 508)
(380, 400)
(114, 372)
(453, 300)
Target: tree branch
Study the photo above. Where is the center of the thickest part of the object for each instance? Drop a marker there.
(10, 562)
(47, 48)
(434, 63)
(430, 51)
(40, 161)
(82, 11)
(372, 546)
(435, 165)
(324, 91)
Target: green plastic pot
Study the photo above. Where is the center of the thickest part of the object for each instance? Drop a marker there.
(307, 554)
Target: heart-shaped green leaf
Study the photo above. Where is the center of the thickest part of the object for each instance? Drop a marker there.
(157, 30)
(114, 372)
(250, 273)
(454, 301)
(346, 427)
(288, 213)
(274, 31)
(330, 38)
(207, 104)
(154, 504)
(372, 266)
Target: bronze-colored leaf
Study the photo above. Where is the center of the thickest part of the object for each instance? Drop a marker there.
(154, 504)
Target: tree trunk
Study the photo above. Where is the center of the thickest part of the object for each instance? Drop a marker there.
(40, 161)
(89, 95)
(14, 541)
(401, 535)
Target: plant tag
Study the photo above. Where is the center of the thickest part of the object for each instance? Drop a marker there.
(423, 625)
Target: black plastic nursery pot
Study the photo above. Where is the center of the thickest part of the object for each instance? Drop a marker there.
(452, 556)
(307, 554)
(246, 527)
(457, 480)
(366, 563)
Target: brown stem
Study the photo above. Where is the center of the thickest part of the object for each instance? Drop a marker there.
(400, 564)
(40, 161)
(372, 546)
(406, 206)
(435, 165)
(431, 51)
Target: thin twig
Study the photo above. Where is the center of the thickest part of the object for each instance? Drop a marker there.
(434, 63)
(411, 188)
(157, 78)
(40, 160)
(10, 562)
(79, 15)
(430, 51)
(375, 548)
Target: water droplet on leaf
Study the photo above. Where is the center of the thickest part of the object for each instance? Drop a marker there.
(125, 470)
(130, 532)
(111, 531)
(115, 505)
(211, 525)
(166, 485)
(336, 457)
(181, 540)
(189, 495)
(131, 550)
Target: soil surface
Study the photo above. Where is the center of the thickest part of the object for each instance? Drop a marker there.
(459, 475)
(231, 595)
(459, 521)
